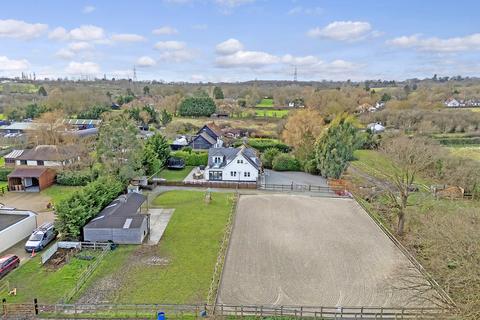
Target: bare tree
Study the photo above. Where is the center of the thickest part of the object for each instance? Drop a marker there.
(410, 156)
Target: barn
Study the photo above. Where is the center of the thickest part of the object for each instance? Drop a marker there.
(122, 221)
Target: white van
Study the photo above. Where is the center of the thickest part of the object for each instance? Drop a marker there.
(41, 237)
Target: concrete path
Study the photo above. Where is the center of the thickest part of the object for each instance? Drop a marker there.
(159, 219)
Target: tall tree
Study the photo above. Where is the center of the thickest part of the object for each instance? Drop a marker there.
(336, 145)
(218, 93)
(146, 90)
(302, 129)
(160, 147)
(118, 148)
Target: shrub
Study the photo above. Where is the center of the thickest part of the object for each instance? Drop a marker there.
(74, 178)
(76, 210)
(262, 144)
(268, 156)
(4, 172)
(194, 158)
(285, 162)
(197, 107)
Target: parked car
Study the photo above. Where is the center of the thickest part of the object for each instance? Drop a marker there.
(41, 237)
(7, 264)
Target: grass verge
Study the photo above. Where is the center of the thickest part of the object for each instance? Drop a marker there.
(58, 193)
(175, 175)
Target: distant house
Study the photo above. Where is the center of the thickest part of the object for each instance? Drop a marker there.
(207, 137)
(122, 221)
(376, 127)
(233, 164)
(452, 103)
(35, 168)
(179, 143)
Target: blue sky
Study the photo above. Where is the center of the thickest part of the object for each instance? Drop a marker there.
(237, 40)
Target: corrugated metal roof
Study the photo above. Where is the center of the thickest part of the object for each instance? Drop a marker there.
(82, 121)
(14, 154)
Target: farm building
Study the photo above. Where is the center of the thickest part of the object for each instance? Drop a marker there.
(122, 221)
(48, 156)
(11, 157)
(15, 225)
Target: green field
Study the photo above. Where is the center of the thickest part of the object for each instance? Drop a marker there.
(265, 103)
(19, 88)
(188, 251)
(175, 175)
(271, 113)
(33, 280)
(59, 193)
(470, 152)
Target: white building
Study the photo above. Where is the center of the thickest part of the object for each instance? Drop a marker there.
(15, 225)
(376, 127)
(233, 164)
(452, 103)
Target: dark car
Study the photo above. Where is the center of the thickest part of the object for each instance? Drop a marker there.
(7, 264)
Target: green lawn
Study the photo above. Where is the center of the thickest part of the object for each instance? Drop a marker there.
(471, 152)
(32, 280)
(175, 175)
(189, 246)
(58, 192)
(265, 103)
(271, 113)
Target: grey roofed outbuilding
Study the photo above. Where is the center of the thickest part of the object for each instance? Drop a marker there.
(115, 214)
(230, 154)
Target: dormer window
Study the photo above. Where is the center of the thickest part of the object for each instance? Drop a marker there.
(217, 159)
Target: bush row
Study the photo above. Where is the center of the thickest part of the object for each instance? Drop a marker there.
(262, 144)
(192, 158)
(74, 178)
(4, 172)
(76, 210)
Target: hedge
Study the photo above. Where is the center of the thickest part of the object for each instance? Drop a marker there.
(286, 162)
(193, 158)
(262, 144)
(4, 172)
(197, 107)
(74, 178)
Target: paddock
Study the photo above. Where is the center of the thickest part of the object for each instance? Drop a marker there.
(293, 250)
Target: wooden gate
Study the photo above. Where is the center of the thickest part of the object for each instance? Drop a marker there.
(17, 311)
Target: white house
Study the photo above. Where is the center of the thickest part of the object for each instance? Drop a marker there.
(233, 164)
(48, 156)
(452, 103)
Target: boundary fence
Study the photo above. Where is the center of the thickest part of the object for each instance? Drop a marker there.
(222, 254)
(105, 249)
(149, 311)
(210, 184)
(443, 295)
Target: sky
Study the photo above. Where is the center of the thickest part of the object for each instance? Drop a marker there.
(239, 40)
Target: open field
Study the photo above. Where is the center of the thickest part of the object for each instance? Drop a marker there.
(471, 152)
(300, 250)
(271, 113)
(177, 270)
(265, 103)
(175, 175)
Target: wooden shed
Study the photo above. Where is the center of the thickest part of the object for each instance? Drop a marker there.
(30, 179)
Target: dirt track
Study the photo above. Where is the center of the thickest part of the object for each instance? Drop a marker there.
(300, 250)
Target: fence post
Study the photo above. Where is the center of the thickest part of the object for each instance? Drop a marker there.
(241, 311)
(281, 311)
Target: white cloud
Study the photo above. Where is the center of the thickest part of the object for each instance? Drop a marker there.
(342, 30)
(315, 11)
(248, 59)
(127, 37)
(300, 61)
(229, 46)
(7, 64)
(170, 45)
(82, 33)
(145, 61)
(82, 68)
(456, 44)
(165, 30)
(80, 46)
(20, 29)
(88, 9)
(65, 54)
